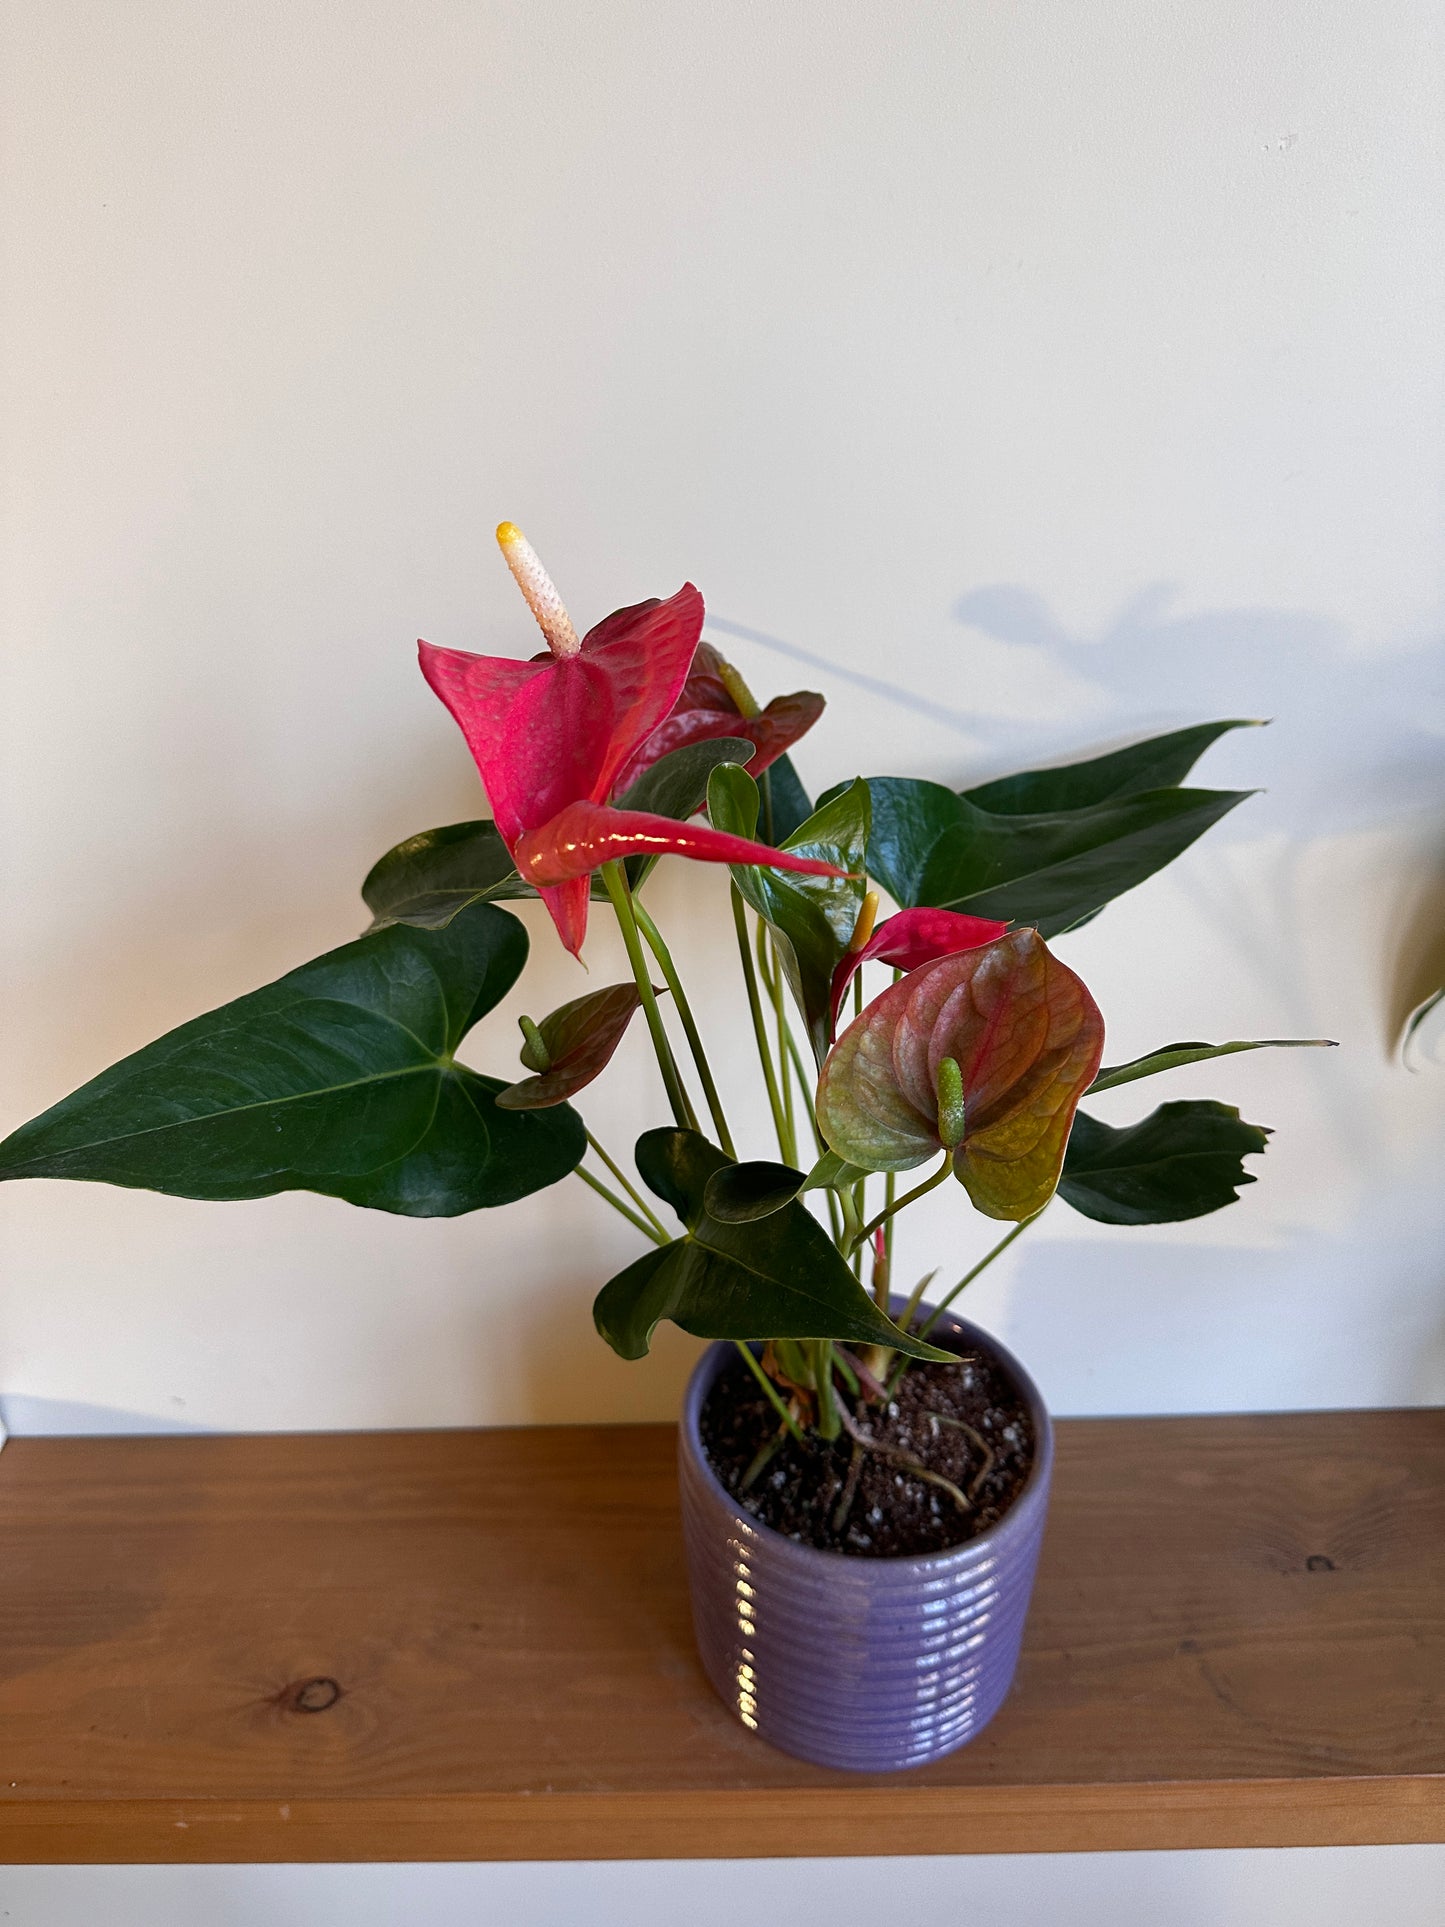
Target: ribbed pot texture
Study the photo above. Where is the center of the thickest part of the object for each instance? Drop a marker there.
(871, 1664)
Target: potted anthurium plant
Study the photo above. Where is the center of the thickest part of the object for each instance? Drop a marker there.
(864, 1474)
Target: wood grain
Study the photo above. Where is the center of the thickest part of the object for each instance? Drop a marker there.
(457, 1645)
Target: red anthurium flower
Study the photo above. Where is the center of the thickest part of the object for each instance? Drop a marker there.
(555, 734)
(715, 702)
(911, 938)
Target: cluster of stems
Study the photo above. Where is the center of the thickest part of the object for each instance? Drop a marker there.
(800, 1377)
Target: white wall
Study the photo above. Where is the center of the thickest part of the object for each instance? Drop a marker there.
(1074, 369)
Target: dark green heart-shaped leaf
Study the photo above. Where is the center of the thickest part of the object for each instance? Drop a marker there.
(778, 1277)
(425, 880)
(739, 1193)
(1182, 1161)
(577, 1043)
(338, 1078)
(812, 918)
(1170, 1056)
(929, 846)
(1158, 763)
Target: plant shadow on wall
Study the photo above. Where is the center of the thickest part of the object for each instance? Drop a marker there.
(1360, 747)
(1364, 727)
(1359, 750)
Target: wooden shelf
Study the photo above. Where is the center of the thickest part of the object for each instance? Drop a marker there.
(475, 1645)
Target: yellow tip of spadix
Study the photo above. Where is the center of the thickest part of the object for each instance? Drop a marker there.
(537, 586)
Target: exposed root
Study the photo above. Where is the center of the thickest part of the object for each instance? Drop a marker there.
(895, 1457)
(976, 1439)
(855, 1471)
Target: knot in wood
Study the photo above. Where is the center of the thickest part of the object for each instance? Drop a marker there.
(1319, 1562)
(311, 1695)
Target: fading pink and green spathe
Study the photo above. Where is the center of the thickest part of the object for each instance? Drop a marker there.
(553, 736)
(1027, 1039)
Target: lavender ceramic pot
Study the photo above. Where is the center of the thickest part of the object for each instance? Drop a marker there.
(872, 1664)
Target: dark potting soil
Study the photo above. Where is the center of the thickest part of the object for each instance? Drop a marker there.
(840, 1497)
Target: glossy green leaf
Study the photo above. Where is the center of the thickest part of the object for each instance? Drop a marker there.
(739, 1193)
(777, 1277)
(1182, 1161)
(1026, 1037)
(577, 1043)
(732, 800)
(338, 1078)
(832, 1173)
(812, 918)
(426, 879)
(1053, 870)
(1170, 1056)
(1158, 763)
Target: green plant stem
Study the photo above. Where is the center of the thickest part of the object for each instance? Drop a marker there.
(829, 1424)
(653, 1231)
(773, 978)
(890, 1205)
(835, 1218)
(795, 1059)
(760, 1029)
(629, 1187)
(772, 1391)
(968, 1277)
(850, 1377)
(915, 1299)
(852, 1223)
(663, 955)
(615, 879)
(929, 1184)
(860, 1190)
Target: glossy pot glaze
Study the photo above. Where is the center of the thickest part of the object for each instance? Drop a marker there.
(872, 1664)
